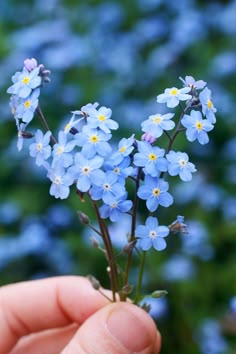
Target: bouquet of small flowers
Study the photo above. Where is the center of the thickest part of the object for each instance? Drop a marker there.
(114, 180)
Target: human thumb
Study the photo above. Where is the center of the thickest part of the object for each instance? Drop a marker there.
(118, 328)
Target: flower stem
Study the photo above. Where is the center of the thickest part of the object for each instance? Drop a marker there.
(45, 124)
(140, 278)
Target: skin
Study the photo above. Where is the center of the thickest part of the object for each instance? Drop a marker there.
(66, 315)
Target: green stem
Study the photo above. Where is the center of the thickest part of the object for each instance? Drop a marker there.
(140, 277)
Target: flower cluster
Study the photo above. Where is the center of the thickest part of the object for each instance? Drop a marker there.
(81, 154)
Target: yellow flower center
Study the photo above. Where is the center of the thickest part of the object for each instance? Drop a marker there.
(60, 150)
(25, 80)
(157, 120)
(199, 125)
(209, 104)
(27, 104)
(67, 127)
(156, 192)
(174, 91)
(93, 139)
(102, 118)
(152, 157)
(122, 149)
(39, 146)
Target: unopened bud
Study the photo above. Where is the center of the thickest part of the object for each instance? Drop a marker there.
(149, 138)
(94, 242)
(129, 246)
(83, 218)
(30, 64)
(95, 283)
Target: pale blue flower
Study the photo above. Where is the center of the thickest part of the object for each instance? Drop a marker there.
(197, 127)
(151, 235)
(61, 181)
(189, 81)
(107, 188)
(101, 118)
(179, 165)
(62, 150)
(25, 82)
(125, 147)
(121, 170)
(154, 191)
(93, 141)
(173, 95)
(27, 106)
(151, 158)
(155, 124)
(86, 171)
(41, 149)
(208, 108)
(117, 206)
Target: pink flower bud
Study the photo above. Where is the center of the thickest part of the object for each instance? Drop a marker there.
(30, 64)
(148, 137)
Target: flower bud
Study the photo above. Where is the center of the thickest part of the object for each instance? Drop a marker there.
(159, 293)
(83, 218)
(30, 64)
(149, 138)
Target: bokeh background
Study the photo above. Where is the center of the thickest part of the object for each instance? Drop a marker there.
(123, 54)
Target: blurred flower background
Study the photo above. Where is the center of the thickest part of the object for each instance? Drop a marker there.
(123, 54)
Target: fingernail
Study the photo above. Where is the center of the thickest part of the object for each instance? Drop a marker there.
(129, 330)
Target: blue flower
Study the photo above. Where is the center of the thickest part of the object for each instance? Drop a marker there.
(180, 165)
(106, 188)
(27, 106)
(125, 147)
(121, 170)
(151, 235)
(155, 124)
(62, 150)
(151, 158)
(101, 119)
(41, 148)
(93, 141)
(30, 64)
(189, 81)
(208, 108)
(154, 191)
(197, 127)
(24, 82)
(72, 123)
(117, 206)
(86, 171)
(173, 95)
(61, 180)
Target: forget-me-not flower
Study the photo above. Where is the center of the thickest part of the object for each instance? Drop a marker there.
(125, 147)
(179, 165)
(189, 81)
(24, 82)
(27, 106)
(151, 158)
(154, 191)
(86, 171)
(155, 124)
(151, 235)
(61, 181)
(101, 118)
(93, 141)
(208, 108)
(107, 188)
(117, 206)
(197, 127)
(41, 149)
(121, 170)
(62, 150)
(173, 95)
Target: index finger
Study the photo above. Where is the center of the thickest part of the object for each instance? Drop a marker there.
(38, 305)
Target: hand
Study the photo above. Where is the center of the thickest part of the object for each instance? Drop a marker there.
(66, 315)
